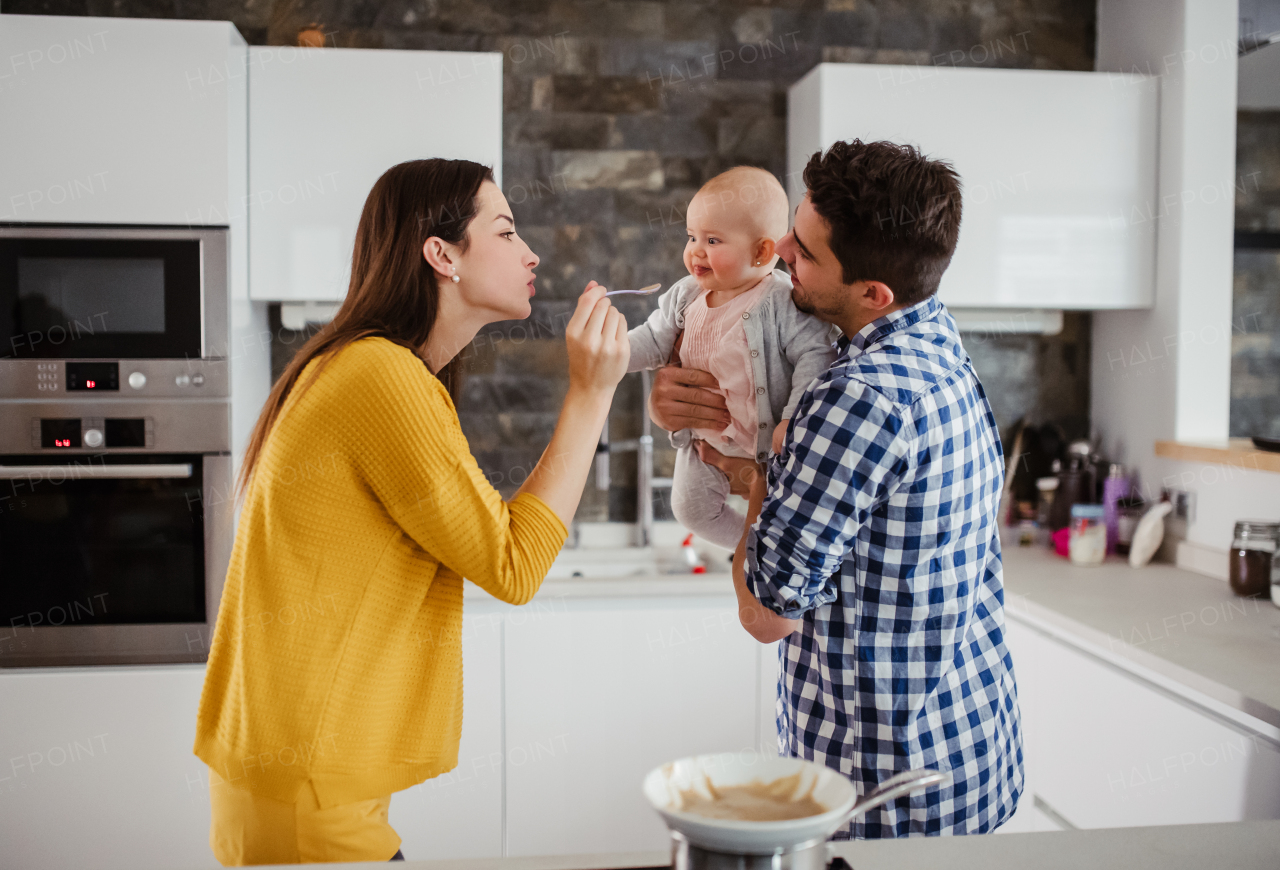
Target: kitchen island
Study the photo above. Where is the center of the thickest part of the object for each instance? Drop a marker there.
(1145, 694)
(1239, 845)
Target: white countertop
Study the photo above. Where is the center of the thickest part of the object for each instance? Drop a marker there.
(1184, 631)
(1238, 845)
(640, 586)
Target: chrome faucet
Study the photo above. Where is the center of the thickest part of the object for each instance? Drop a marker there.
(646, 483)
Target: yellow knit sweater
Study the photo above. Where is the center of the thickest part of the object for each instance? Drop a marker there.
(337, 655)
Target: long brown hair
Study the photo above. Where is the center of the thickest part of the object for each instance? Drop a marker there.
(393, 291)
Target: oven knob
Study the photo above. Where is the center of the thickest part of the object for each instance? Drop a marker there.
(182, 380)
(92, 437)
(197, 379)
(137, 380)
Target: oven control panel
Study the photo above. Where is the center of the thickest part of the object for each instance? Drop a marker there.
(76, 433)
(48, 377)
(95, 377)
(122, 379)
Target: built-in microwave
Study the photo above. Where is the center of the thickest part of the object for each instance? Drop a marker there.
(152, 302)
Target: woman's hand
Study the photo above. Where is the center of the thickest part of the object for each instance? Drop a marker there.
(597, 341)
(742, 473)
(686, 399)
(596, 337)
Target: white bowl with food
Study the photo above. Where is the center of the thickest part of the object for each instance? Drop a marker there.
(748, 803)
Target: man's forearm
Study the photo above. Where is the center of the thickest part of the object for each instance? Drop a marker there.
(759, 621)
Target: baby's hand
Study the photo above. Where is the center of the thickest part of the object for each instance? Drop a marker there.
(780, 436)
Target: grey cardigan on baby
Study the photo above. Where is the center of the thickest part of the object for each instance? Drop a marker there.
(788, 349)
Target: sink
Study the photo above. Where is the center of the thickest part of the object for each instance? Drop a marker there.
(611, 562)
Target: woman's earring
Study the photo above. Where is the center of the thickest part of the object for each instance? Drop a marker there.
(757, 262)
(454, 278)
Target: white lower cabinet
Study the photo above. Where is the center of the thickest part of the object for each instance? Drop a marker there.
(459, 814)
(599, 692)
(568, 703)
(1106, 748)
(96, 769)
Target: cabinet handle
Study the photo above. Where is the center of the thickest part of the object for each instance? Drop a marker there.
(76, 472)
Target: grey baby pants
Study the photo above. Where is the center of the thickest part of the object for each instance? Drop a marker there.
(698, 499)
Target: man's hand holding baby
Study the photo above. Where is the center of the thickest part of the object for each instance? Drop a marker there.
(780, 436)
(742, 473)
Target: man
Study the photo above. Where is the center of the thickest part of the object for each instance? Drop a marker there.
(871, 547)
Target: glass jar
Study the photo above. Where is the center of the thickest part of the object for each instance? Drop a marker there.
(1088, 542)
(1253, 567)
(1129, 513)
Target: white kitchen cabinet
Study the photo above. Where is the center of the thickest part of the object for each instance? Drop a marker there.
(459, 814)
(599, 692)
(325, 123)
(121, 121)
(96, 769)
(1105, 748)
(1058, 172)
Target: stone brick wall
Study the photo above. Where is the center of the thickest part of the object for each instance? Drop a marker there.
(614, 114)
(1255, 341)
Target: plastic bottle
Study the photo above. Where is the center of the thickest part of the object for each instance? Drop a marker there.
(1115, 487)
(696, 565)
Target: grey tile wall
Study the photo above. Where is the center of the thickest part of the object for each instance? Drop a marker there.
(1255, 338)
(614, 114)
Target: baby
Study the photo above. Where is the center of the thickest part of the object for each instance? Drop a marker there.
(739, 324)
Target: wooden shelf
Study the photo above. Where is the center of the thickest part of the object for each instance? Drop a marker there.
(1236, 452)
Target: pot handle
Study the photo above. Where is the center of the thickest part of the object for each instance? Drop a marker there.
(896, 786)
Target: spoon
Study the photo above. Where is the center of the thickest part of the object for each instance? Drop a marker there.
(643, 291)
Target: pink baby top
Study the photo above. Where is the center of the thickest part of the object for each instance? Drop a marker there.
(716, 342)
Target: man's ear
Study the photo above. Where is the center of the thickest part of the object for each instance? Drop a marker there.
(877, 295)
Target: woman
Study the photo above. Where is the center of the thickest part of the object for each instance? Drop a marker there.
(335, 673)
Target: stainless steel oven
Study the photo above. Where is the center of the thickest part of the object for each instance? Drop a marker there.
(115, 443)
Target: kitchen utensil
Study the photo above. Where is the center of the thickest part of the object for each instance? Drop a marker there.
(739, 837)
(643, 291)
(1148, 535)
(1271, 444)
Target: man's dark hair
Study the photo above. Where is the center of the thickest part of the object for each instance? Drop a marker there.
(894, 214)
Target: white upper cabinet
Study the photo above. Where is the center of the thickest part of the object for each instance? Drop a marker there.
(325, 123)
(1058, 172)
(121, 121)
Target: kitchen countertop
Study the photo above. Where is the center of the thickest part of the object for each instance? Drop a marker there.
(639, 586)
(1238, 845)
(1183, 631)
(644, 580)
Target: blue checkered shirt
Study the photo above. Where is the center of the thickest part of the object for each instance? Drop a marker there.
(879, 533)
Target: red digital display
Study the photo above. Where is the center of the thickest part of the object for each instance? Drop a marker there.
(60, 432)
(101, 376)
